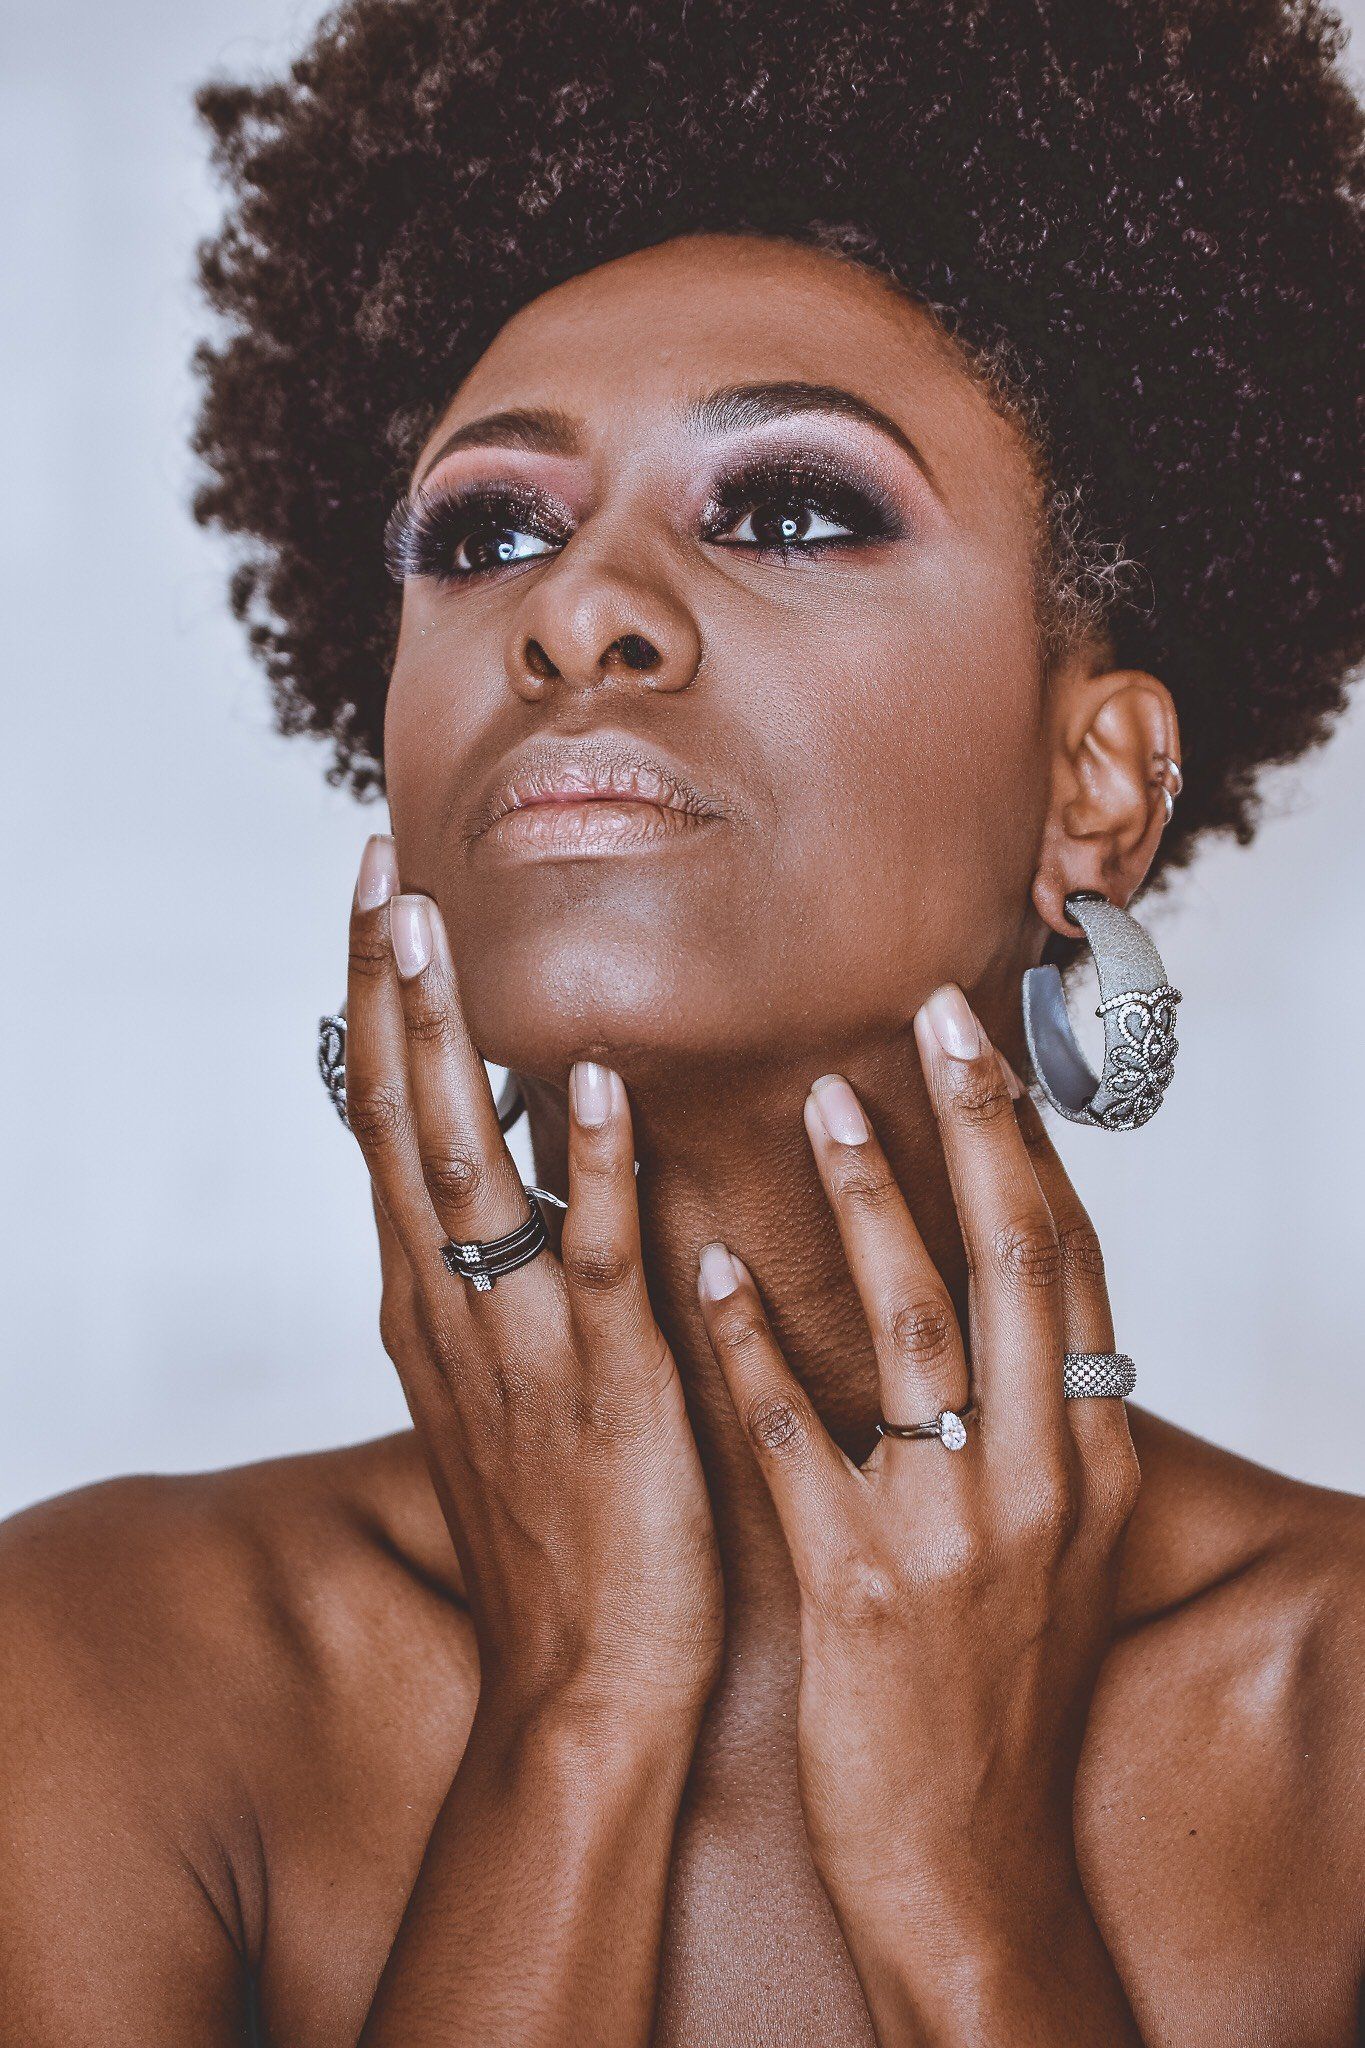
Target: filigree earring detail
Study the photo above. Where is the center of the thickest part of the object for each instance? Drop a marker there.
(1137, 1004)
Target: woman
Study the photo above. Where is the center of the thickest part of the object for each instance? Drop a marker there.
(844, 465)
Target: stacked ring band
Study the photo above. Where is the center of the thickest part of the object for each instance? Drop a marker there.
(485, 1260)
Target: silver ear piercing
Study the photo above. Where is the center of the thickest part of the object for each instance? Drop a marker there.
(1137, 1004)
(1169, 781)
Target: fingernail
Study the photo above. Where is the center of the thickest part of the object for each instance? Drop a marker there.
(1012, 1081)
(839, 1110)
(953, 1022)
(378, 877)
(410, 929)
(591, 1093)
(717, 1276)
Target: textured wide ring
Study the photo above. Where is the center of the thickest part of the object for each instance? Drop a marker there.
(1087, 1373)
(949, 1426)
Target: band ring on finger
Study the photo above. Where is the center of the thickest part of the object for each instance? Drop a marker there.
(484, 1260)
(1086, 1375)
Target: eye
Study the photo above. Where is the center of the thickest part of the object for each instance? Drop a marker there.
(779, 524)
(492, 547)
(467, 534)
(797, 507)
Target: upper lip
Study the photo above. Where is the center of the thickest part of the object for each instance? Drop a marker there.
(587, 770)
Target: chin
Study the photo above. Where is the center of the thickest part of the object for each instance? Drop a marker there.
(537, 1004)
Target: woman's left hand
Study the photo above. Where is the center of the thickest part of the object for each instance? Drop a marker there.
(955, 1604)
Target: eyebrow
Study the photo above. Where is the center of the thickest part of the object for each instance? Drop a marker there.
(730, 410)
(738, 406)
(533, 432)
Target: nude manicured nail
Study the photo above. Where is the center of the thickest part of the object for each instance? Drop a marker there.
(839, 1110)
(717, 1276)
(953, 1023)
(410, 928)
(378, 877)
(591, 1093)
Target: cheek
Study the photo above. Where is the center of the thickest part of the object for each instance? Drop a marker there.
(912, 768)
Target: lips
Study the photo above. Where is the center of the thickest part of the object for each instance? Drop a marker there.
(574, 778)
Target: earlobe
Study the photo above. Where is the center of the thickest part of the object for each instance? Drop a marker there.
(1115, 778)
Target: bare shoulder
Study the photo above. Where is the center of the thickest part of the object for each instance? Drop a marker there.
(1232, 1713)
(171, 1645)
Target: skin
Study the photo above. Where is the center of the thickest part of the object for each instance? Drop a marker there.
(639, 1693)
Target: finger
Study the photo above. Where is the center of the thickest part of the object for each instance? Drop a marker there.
(1100, 1422)
(1015, 1334)
(921, 1360)
(470, 1176)
(804, 1469)
(599, 1247)
(378, 1099)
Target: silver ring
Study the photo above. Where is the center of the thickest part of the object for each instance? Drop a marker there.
(949, 1426)
(1111, 1374)
(484, 1260)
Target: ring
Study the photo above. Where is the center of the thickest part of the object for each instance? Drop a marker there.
(485, 1259)
(949, 1426)
(1086, 1373)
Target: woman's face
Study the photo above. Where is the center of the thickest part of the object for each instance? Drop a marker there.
(724, 526)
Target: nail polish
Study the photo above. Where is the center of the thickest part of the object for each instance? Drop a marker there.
(717, 1276)
(953, 1022)
(378, 877)
(839, 1110)
(591, 1094)
(410, 929)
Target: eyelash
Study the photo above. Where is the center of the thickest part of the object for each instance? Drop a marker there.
(424, 532)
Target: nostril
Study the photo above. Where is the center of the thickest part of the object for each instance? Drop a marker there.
(539, 662)
(637, 652)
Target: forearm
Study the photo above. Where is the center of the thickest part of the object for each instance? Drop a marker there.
(536, 1914)
(936, 1979)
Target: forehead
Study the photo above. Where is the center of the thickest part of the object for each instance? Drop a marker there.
(626, 347)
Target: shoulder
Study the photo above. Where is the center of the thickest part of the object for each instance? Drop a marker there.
(166, 1636)
(1242, 1634)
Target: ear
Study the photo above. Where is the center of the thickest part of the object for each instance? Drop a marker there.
(1107, 811)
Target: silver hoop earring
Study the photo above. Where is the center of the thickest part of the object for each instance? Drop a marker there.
(1137, 1004)
(332, 1067)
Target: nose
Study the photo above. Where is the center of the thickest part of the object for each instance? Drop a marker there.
(587, 625)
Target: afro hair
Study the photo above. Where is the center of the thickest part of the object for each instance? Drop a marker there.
(1140, 221)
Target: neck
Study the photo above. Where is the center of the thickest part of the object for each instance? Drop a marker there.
(731, 1160)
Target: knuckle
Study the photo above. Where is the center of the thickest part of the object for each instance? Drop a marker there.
(425, 1017)
(1026, 1253)
(920, 1332)
(1049, 1511)
(955, 1559)
(1081, 1251)
(368, 954)
(776, 1423)
(378, 1114)
(455, 1178)
(863, 1185)
(869, 1591)
(1116, 1486)
(742, 1329)
(980, 1095)
(596, 1266)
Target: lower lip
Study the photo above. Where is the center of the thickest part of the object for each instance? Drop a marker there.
(604, 825)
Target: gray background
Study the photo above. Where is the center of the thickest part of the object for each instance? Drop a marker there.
(188, 1264)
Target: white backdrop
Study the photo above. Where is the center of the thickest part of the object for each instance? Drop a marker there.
(189, 1270)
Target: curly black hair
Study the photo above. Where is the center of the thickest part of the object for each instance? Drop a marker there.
(1140, 221)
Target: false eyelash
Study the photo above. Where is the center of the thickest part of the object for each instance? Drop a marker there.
(858, 504)
(424, 529)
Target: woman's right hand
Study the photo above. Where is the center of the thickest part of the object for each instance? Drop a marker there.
(549, 1408)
